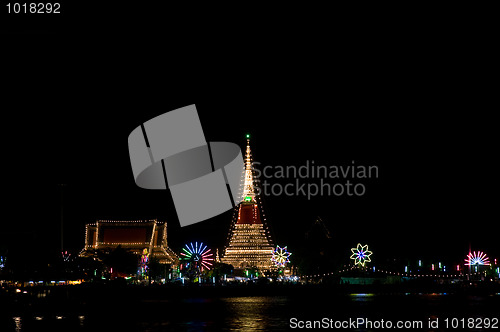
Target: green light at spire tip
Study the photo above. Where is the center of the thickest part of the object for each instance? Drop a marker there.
(248, 135)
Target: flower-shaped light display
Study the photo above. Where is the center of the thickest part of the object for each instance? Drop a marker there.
(361, 254)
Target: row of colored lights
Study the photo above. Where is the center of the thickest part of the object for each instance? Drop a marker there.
(361, 255)
(397, 273)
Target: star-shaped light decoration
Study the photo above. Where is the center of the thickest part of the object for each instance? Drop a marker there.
(361, 254)
(280, 256)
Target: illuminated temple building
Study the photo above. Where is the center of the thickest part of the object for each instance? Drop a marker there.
(133, 236)
(249, 242)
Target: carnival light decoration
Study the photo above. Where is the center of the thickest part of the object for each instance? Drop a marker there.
(197, 256)
(281, 256)
(65, 256)
(144, 266)
(477, 258)
(361, 254)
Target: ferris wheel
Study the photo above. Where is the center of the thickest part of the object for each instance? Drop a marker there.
(197, 257)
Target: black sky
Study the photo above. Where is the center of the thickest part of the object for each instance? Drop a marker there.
(423, 115)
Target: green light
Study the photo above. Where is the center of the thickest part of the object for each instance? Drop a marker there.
(248, 135)
(188, 254)
(248, 199)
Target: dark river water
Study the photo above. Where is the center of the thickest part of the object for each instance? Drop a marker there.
(425, 311)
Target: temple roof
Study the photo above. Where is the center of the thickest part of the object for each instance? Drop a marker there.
(131, 235)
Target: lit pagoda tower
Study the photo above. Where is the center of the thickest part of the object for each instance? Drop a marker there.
(250, 245)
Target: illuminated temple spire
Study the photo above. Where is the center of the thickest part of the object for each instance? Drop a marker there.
(248, 189)
(249, 239)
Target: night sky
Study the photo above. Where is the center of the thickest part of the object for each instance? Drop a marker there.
(424, 118)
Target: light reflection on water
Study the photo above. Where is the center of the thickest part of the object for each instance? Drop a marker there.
(362, 297)
(256, 313)
(17, 321)
(81, 320)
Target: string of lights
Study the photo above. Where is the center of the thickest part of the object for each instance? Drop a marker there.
(361, 253)
(402, 274)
